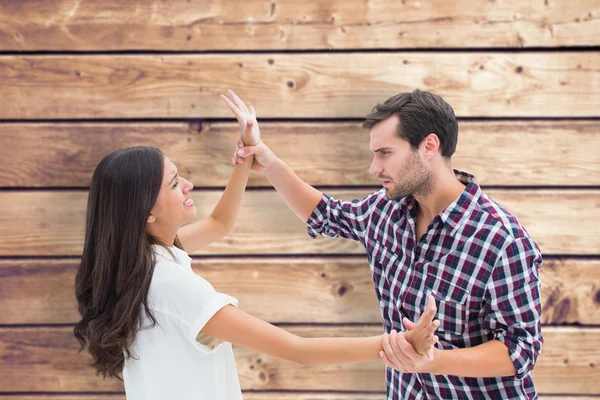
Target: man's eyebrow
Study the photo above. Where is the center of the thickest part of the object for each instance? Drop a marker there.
(174, 176)
(382, 149)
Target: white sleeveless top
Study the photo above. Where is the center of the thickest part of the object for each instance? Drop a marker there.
(168, 362)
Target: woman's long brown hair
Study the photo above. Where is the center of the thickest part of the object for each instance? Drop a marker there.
(117, 264)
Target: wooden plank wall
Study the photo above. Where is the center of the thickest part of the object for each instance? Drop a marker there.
(80, 78)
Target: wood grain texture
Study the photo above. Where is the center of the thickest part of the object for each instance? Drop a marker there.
(325, 85)
(269, 396)
(285, 24)
(46, 359)
(52, 223)
(96, 69)
(504, 153)
(296, 290)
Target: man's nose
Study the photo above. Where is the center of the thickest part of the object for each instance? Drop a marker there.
(375, 168)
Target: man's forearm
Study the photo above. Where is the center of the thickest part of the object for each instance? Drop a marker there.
(299, 195)
(489, 359)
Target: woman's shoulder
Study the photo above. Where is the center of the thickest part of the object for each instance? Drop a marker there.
(174, 276)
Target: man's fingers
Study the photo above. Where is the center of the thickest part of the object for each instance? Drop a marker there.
(387, 348)
(385, 343)
(237, 159)
(240, 144)
(408, 354)
(399, 351)
(387, 361)
(246, 151)
(248, 128)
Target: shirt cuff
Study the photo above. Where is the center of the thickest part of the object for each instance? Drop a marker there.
(518, 355)
(211, 309)
(315, 221)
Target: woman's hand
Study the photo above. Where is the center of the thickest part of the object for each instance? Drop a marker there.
(246, 118)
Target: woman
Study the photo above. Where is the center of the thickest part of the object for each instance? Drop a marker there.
(146, 313)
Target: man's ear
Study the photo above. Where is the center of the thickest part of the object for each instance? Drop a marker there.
(431, 144)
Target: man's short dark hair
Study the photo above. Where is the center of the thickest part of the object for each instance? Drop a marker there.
(420, 114)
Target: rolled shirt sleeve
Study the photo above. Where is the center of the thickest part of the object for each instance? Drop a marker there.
(513, 304)
(347, 219)
(190, 299)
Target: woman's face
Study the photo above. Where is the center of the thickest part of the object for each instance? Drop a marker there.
(173, 206)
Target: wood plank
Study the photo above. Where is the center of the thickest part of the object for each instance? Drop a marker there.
(34, 223)
(325, 85)
(285, 24)
(496, 152)
(269, 396)
(45, 359)
(247, 396)
(325, 290)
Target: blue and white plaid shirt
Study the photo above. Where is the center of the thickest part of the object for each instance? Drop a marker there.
(478, 262)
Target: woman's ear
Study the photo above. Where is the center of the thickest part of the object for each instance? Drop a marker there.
(151, 218)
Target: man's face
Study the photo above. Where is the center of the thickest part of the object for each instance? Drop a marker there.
(398, 166)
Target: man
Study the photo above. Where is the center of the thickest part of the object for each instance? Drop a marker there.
(431, 230)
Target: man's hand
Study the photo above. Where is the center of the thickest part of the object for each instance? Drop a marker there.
(263, 156)
(400, 355)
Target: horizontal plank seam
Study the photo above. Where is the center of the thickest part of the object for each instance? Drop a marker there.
(115, 393)
(286, 256)
(2, 394)
(301, 324)
(271, 392)
(209, 120)
(256, 391)
(532, 49)
(266, 188)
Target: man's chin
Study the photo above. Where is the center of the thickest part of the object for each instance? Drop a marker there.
(389, 195)
(392, 195)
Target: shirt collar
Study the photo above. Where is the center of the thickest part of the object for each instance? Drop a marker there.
(464, 205)
(173, 254)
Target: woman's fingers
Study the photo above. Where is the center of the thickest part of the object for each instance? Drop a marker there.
(236, 111)
(238, 102)
(433, 326)
(431, 340)
(408, 323)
